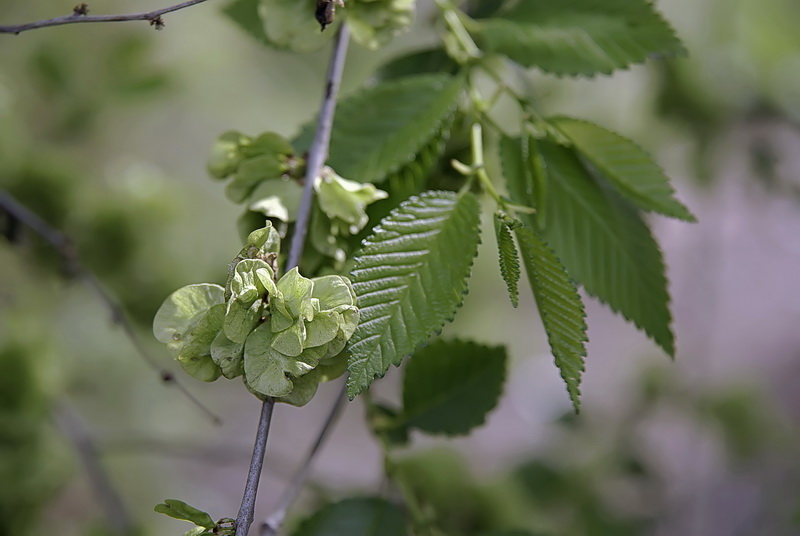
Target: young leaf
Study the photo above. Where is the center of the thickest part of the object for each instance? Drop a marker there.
(601, 239)
(579, 37)
(450, 387)
(379, 130)
(355, 517)
(180, 510)
(626, 165)
(560, 307)
(410, 277)
(509, 258)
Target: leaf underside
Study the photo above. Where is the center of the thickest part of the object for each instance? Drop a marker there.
(579, 37)
(380, 130)
(410, 277)
(449, 387)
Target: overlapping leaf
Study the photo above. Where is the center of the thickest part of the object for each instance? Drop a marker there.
(632, 171)
(600, 237)
(579, 37)
(410, 277)
(450, 386)
(379, 130)
(560, 307)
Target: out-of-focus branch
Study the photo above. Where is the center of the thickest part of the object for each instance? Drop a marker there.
(108, 498)
(316, 158)
(19, 214)
(80, 14)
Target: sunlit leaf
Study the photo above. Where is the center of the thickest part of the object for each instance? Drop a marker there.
(180, 510)
(410, 277)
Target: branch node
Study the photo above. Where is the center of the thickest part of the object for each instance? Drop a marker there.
(157, 22)
(81, 9)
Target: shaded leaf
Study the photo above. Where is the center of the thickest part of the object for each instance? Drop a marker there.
(600, 238)
(450, 386)
(355, 517)
(381, 129)
(579, 37)
(560, 307)
(629, 168)
(245, 14)
(508, 257)
(410, 277)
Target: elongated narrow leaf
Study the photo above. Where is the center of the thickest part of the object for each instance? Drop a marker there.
(180, 510)
(601, 239)
(579, 37)
(410, 277)
(450, 386)
(560, 307)
(355, 517)
(379, 130)
(632, 171)
(508, 256)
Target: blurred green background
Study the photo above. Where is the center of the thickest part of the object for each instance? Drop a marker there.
(104, 132)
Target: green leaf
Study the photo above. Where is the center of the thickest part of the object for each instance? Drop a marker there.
(245, 14)
(228, 355)
(195, 354)
(629, 168)
(560, 307)
(268, 371)
(508, 256)
(180, 510)
(601, 239)
(355, 517)
(374, 23)
(410, 276)
(290, 24)
(381, 129)
(579, 37)
(450, 386)
(182, 310)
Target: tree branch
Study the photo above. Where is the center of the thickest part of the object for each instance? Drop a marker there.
(316, 158)
(63, 246)
(110, 502)
(271, 525)
(80, 15)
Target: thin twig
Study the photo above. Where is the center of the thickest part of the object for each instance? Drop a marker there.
(316, 158)
(110, 502)
(271, 525)
(319, 148)
(63, 246)
(79, 15)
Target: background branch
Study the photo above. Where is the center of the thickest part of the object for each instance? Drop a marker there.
(18, 213)
(316, 158)
(80, 15)
(108, 498)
